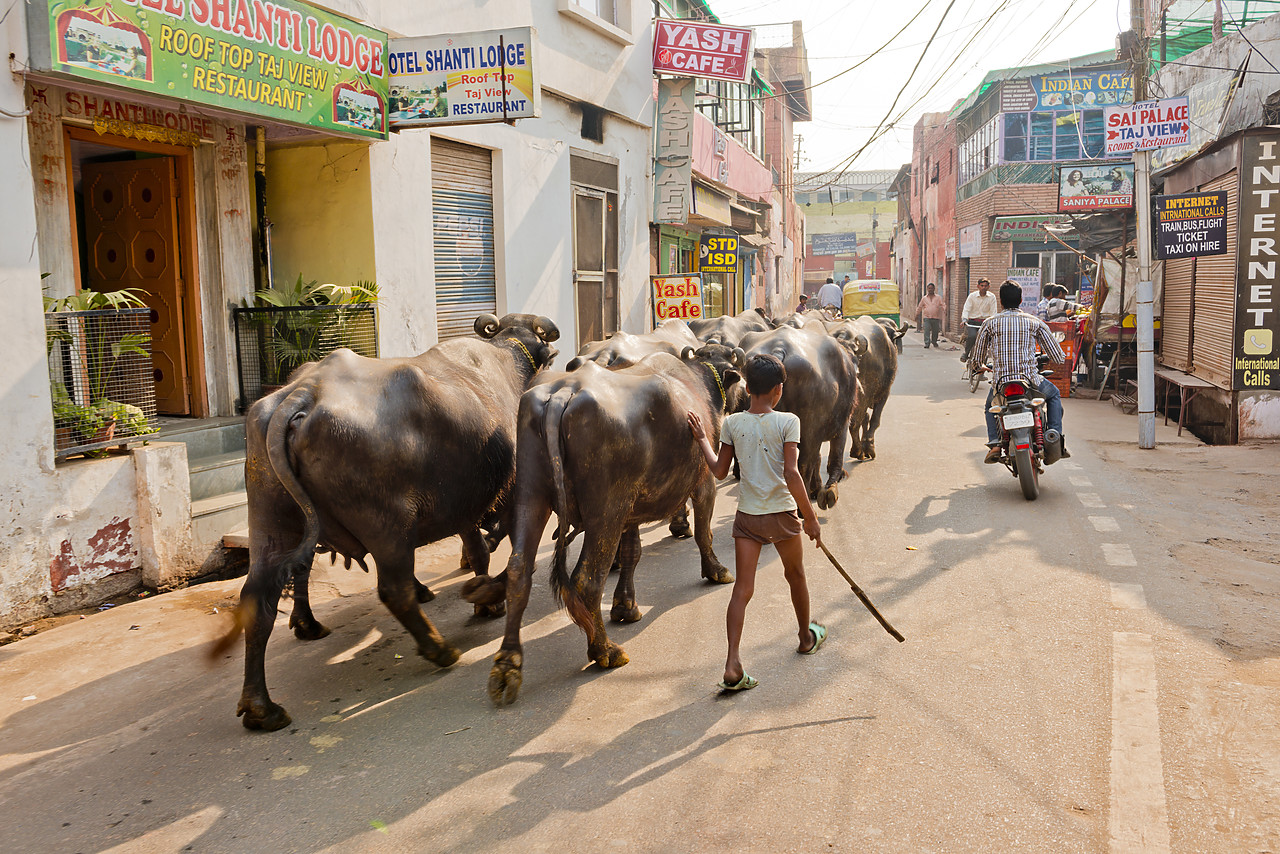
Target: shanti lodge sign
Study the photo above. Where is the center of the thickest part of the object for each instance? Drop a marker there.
(284, 60)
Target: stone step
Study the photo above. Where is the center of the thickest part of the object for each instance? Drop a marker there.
(206, 437)
(217, 474)
(237, 539)
(212, 518)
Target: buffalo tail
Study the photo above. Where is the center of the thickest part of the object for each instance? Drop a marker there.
(560, 582)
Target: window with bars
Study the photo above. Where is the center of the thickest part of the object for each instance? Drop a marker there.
(1049, 135)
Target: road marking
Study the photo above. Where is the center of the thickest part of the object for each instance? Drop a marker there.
(1080, 481)
(1090, 499)
(1139, 815)
(1118, 554)
(1130, 596)
(1104, 524)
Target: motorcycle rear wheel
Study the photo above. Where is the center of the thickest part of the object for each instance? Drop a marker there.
(1028, 477)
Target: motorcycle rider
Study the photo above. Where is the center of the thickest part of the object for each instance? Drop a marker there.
(977, 308)
(1011, 337)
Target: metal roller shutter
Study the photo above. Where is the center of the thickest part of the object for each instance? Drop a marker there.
(462, 219)
(1175, 322)
(1213, 321)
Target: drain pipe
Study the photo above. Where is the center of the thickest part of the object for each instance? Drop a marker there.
(264, 225)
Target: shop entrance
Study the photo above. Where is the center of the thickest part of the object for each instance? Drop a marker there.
(133, 232)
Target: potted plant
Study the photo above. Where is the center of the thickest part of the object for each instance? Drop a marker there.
(95, 354)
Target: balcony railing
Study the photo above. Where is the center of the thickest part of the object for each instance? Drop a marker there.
(101, 378)
(271, 343)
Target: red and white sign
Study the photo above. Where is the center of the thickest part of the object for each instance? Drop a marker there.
(693, 49)
(1147, 126)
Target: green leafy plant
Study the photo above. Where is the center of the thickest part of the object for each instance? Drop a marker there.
(97, 353)
(290, 339)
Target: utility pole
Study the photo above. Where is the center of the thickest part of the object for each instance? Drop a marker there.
(1140, 54)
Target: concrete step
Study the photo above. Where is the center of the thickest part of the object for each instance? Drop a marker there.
(217, 474)
(214, 517)
(237, 539)
(206, 437)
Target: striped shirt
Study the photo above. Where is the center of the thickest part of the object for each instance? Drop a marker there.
(1011, 337)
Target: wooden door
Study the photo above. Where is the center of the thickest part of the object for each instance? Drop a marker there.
(131, 230)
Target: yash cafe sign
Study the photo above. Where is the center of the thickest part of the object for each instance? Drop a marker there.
(689, 49)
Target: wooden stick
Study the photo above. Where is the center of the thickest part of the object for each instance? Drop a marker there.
(857, 591)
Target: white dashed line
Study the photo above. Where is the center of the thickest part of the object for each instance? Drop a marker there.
(1130, 596)
(1090, 499)
(1118, 554)
(1080, 481)
(1139, 815)
(1104, 524)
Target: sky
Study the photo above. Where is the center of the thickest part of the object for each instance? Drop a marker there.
(974, 37)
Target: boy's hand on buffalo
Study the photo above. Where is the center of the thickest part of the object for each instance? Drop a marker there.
(695, 426)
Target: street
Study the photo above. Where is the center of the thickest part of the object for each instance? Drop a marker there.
(1095, 671)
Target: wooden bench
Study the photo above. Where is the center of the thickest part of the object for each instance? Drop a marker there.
(1127, 403)
(1188, 388)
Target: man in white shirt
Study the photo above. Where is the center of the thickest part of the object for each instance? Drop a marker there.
(978, 307)
(830, 294)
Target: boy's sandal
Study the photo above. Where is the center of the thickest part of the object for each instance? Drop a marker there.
(746, 683)
(819, 636)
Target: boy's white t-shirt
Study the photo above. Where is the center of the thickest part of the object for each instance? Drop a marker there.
(758, 442)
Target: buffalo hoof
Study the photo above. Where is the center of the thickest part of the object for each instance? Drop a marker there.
(505, 678)
(717, 574)
(307, 628)
(828, 497)
(488, 612)
(442, 656)
(484, 590)
(680, 530)
(625, 613)
(869, 450)
(424, 592)
(267, 716)
(612, 656)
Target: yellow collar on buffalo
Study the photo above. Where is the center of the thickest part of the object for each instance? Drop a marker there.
(724, 399)
(525, 350)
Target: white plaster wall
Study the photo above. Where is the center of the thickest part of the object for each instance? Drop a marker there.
(1259, 416)
(532, 195)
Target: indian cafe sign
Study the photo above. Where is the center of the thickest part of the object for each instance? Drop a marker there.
(693, 49)
(286, 60)
(1029, 228)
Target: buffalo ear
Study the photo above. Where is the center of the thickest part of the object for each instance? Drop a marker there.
(487, 325)
(545, 328)
(574, 363)
(730, 377)
(739, 357)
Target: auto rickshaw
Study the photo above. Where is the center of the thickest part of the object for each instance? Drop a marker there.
(874, 298)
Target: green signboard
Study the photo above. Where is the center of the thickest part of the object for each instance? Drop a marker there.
(283, 60)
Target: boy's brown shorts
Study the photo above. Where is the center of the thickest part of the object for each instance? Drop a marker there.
(767, 528)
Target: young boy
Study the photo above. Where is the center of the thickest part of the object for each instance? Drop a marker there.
(767, 445)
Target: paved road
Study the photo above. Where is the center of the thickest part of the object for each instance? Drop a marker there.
(1063, 687)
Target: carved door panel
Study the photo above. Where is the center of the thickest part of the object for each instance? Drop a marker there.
(131, 229)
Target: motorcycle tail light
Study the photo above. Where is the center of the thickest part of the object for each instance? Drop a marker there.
(1014, 388)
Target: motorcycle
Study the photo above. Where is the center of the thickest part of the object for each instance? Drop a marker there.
(1026, 447)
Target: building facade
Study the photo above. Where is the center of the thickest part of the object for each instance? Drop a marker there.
(133, 166)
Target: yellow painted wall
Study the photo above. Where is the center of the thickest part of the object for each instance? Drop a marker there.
(320, 203)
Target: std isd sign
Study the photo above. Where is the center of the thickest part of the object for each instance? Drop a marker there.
(1147, 126)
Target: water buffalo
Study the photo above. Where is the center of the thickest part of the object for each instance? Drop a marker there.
(822, 389)
(729, 330)
(379, 456)
(897, 331)
(623, 349)
(873, 347)
(607, 450)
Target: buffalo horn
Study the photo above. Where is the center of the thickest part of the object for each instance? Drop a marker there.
(860, 345)
(739, 357)
(487, 325)
(687, 353)
(545, 328)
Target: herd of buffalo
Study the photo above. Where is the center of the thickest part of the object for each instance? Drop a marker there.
(376, 457)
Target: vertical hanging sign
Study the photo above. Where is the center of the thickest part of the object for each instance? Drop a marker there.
(1255, 363)
(673, 160)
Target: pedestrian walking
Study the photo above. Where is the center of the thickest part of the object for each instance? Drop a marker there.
(929, 315)
(767, 446)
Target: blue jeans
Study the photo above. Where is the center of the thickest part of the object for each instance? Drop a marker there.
(1052, 405)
